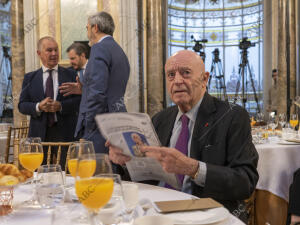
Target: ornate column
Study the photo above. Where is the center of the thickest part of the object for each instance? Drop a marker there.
(18, 57)
(154, 54)
(286, 53)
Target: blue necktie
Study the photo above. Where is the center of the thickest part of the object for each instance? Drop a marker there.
(81, 75)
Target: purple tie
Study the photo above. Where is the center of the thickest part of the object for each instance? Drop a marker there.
(50, 93)
(182, 142)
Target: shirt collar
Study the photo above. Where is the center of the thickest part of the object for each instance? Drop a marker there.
(192, 114)
(103, 38)
(83, 68)
(45, 69)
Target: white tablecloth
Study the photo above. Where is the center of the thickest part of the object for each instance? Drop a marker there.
(276, 166)
(43, 216)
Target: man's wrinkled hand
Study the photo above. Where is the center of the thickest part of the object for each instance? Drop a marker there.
(71, 88)
(172, 160)
(116, 154)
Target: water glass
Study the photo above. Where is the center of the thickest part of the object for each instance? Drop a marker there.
(282, 119)
(50, 186)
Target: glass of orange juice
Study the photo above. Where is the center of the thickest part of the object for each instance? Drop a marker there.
(294, 120)
(31, 157)
(94, 183)
(76, 150)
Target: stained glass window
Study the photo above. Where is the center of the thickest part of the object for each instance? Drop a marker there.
(224, 23)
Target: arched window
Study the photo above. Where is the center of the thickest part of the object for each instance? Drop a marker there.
(223, 23)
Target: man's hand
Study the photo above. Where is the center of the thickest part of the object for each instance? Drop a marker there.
(116, 154)
(45, 104)
(71, 88)
(54, 106)
(172, 160)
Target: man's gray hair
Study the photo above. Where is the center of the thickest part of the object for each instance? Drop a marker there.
(40, 42)
(104, 21)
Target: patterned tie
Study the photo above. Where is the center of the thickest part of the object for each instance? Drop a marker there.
(182, 143)
(50, 93)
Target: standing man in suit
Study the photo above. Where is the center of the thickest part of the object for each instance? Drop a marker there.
(206, 140)
(105, 79)
(77, 54)
(52, 115)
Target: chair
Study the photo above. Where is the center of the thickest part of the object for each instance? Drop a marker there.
(59, 147)
(12, 134)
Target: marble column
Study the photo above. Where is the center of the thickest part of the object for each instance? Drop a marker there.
(18, 57)
(286, 20)
(154, 65)
(283, 63)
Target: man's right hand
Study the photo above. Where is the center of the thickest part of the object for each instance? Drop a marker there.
(45, 104)
(116, 154)
(71, 88)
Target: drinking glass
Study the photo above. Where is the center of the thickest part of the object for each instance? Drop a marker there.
(31, 157)
(273, 122)
(94, 182)
(131, 198)
(50, 186)
(76, 149)
(294, 120)
(282, 119)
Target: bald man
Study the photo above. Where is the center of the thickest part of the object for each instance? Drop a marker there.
(221, 159)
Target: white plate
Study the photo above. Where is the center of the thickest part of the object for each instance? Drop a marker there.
(284, 142)
(200, 216)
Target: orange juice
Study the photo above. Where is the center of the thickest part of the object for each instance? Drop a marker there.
(253, 122)
(31, 161)
(294, 123)
(86, 168)
(95, 192)
(72, 166)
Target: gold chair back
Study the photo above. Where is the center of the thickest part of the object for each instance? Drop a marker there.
(59, 147)
(14, 133)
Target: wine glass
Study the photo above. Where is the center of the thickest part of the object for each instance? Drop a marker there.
(294, 120)
(273, 122)
(76, 149)
(282, 119)
(94, 182)
(31, 157)
(50, 187)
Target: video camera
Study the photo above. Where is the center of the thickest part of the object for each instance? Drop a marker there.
(245, 44)
(198, 46)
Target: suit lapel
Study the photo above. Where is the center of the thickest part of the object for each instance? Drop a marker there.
(40, 84)
(204, 122)
(167, 124)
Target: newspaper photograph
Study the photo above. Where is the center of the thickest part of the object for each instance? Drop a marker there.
(130, 131)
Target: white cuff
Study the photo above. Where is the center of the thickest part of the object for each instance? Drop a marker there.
(37, 108)
(201, 174)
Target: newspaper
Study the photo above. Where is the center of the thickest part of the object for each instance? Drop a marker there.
(129, 131)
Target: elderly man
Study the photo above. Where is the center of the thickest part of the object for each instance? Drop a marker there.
(207, 141)
(52, 115)
(105, 79)
(77, 54)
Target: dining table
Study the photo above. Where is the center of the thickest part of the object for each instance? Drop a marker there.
(278, 160)
(69, 210)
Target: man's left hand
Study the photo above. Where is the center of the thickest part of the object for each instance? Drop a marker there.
(172, 160)
(71, 88)
(54, 106)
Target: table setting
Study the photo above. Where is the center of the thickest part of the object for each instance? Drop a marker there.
(89, 193)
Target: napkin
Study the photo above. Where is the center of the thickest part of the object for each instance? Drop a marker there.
(187, 205)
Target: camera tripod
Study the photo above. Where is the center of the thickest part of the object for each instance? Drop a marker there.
(244, 68)
(216, 73)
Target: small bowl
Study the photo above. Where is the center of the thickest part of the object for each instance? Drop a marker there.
(153, 220)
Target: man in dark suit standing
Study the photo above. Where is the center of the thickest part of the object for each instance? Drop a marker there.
(52, 115)
(77, 54)
(104, 81)
(208, 141)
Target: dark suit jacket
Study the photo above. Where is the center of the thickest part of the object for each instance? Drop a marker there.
(33, 92)
(222, 139)
(104, 85)
(294, 203)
